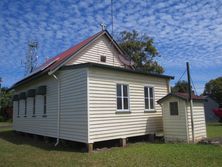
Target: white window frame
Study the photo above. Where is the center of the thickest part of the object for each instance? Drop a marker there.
(122, 98)
(148, 98)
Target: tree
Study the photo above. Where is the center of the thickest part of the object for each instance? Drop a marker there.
(214, 88)
(141, 50)
(180, 86)
(6, 103)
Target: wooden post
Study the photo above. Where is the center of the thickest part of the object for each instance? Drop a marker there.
(35, 137)
(46, 139)
(123, 142)
(90, 147)
(190, 100)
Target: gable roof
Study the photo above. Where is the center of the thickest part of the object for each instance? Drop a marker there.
(54, 63)
(183, 96)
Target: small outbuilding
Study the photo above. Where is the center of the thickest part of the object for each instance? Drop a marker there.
(177, 123)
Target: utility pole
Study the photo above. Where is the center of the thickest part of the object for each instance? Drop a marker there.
(0, 94)
(190, 100)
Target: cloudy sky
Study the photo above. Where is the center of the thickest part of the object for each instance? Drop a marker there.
(183, 30)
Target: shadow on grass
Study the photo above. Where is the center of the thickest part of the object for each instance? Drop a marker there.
(39, 142)
(214, 124)
(64, 145)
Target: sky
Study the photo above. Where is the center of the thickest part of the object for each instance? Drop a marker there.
(183, 31)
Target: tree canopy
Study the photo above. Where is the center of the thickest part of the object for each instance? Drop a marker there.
(141, 49)
(6, 103)
(214, 88)
(180, 86)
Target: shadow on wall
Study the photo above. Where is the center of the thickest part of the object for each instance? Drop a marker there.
(154, 124)
(39, 142)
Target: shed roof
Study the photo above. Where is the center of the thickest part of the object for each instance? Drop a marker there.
(183, 96)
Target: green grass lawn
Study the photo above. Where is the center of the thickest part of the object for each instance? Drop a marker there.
(17, 150)
(214, 130)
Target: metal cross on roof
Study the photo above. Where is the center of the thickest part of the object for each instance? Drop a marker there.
(103, 26)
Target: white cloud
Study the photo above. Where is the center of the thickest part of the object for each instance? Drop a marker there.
(183, 30)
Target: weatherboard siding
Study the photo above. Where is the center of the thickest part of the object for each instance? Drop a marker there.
(175, 128)
(199, 121)
(73, 116)
(37, 125)
(104, 122)
(74, 120)
(101, 47)
(178, 127)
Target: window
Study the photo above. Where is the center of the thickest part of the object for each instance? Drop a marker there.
(44, 110)
(173, 108)
(103, 59)
(18, 109)
(33, 109)
(122, 97)
(149, 98)
(25, 107)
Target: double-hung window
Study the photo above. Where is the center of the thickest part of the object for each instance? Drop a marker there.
(33, 106)
(122, 92)
(25, 107)
(174, 108)
(18, 108)
(149, 98)
(44, 101)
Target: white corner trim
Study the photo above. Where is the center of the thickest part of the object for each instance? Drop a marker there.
(88, 109)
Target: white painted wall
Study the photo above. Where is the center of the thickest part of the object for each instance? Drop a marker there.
(73, 118)
(37, 125)
(175, 128)
(104, 122)
(199, 121)
(178, 128)
(101, 47)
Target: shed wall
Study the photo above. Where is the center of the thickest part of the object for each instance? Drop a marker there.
(199, 121)
(175, 128)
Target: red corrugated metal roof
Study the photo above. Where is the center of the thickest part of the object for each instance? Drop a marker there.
(66, 54)
(186, 96)
(55, 61)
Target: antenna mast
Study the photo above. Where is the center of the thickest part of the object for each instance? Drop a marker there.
(31, 59)
(112, 15)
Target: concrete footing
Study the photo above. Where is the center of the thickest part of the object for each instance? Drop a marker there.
(90, 147)
(123, 142)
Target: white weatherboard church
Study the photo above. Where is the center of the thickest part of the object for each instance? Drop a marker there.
(90, 93)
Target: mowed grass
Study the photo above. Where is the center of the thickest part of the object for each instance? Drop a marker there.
(17, 150)
(214, 130)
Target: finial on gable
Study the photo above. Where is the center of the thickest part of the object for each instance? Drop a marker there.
(103, 26)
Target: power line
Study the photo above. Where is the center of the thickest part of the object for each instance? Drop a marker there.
(182, 75)
(193, 86)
